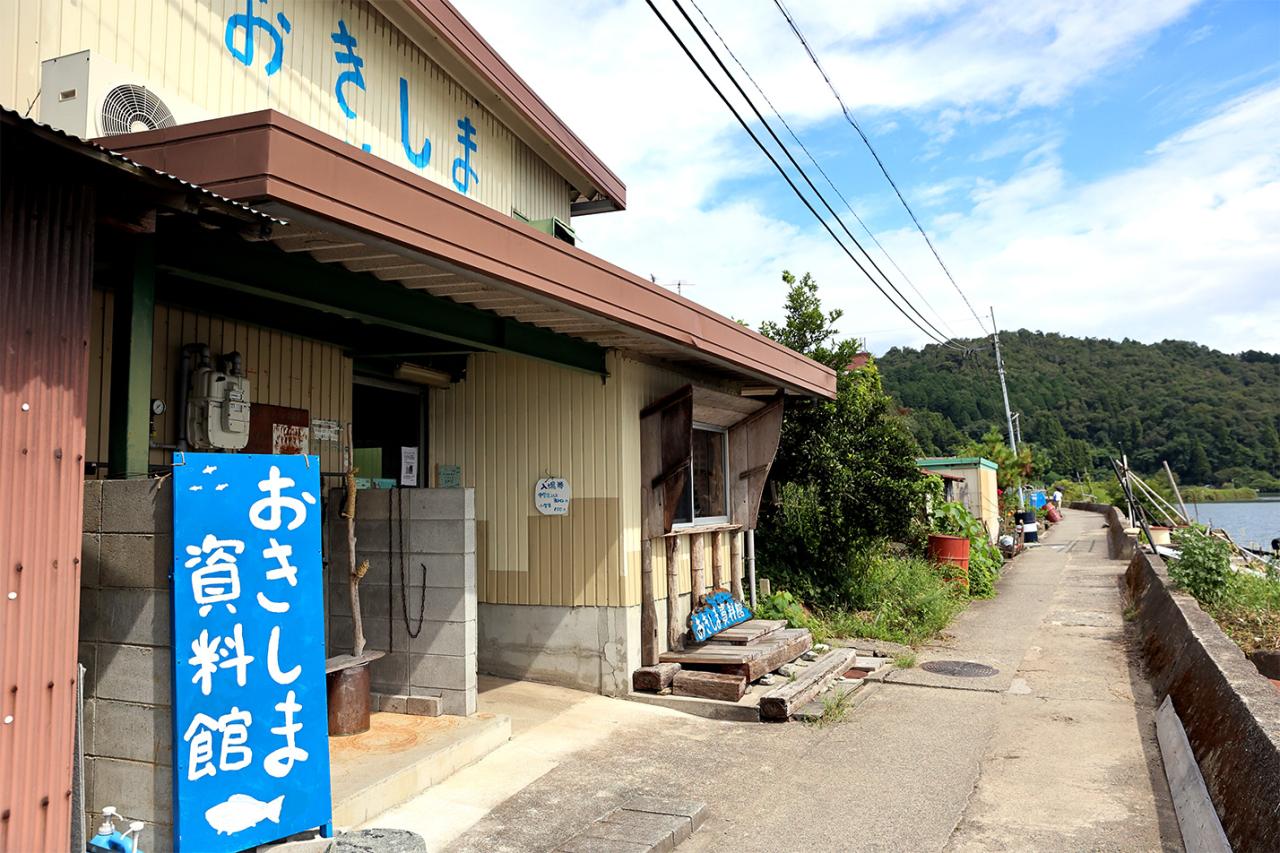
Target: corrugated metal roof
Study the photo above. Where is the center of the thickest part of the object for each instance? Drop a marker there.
(94, 149)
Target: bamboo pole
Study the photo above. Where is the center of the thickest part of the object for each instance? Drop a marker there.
(697, 570)
(1176, 491)
(717, 560)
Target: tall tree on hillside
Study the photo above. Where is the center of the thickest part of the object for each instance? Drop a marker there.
(1198, 469)
(845, 470)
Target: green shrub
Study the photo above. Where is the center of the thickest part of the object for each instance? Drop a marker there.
(1203, 567)
(985, 559)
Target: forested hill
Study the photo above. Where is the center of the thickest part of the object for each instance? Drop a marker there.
(1215, 417)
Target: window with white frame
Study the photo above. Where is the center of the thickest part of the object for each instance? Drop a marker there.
(705, 499)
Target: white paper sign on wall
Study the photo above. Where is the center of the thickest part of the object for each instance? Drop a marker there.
(551, 496)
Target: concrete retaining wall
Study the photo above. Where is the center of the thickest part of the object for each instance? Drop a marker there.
(586, 648)
(1120, 546)
(438, 533)
(1231, 713)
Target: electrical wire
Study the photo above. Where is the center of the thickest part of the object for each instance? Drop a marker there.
(943, 340)
(849, 117)
(821, 170)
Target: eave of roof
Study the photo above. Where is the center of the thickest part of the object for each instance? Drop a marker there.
(481, 70)
(271, 159)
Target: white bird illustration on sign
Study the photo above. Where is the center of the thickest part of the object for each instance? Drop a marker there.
(195, 488)
(209, 469)
(220, 487)
(241, 811)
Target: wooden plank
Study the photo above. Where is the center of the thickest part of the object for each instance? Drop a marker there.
(709, 685)
(781, 702)
(654, 678)
(338, 662)
(1197, 818)
(675, 633)
(752, 631)
(791, 643)
(648, 609)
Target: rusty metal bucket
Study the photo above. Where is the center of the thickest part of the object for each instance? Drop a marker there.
(348, 691)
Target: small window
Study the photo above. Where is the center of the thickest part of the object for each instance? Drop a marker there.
(705, 499)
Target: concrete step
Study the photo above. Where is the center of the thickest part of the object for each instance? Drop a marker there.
(643, 825)
(401, 756)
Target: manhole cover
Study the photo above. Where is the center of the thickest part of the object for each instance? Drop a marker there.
(960, 668)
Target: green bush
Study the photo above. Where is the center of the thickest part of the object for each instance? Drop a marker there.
(894, 598)
(1203, 567)
(985, 560)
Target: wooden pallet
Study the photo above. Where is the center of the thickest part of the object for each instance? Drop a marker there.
(750, 660)
(751, 631)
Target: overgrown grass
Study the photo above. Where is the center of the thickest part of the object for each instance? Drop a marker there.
(835, 707)
(894, 598)
(1249, 611)
(905, 661)
(1202, 495)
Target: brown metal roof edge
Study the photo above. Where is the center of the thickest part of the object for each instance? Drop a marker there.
(462, 39)
(268, 156)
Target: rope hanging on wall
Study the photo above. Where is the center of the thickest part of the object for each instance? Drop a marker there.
(396, 543)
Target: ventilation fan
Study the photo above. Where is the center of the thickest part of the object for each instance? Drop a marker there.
(132, 109)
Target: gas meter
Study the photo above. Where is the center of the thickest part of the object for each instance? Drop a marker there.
(218, 408)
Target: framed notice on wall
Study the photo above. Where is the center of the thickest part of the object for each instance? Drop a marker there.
(250, 736)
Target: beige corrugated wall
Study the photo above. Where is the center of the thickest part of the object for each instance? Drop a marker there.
(513, 421)
(178, 47)
(283, 370)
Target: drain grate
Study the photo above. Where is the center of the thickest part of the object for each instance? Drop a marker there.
(960, 668)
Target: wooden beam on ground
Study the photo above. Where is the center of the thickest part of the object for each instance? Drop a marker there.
(751, 631)
(781, 702)
(709, 685)
(654, 678)
(735, 564)
(697, 575)
(648, 609)
(790, 644)
(675, 634)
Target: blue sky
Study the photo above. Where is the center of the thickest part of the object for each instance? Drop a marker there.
(1088, 167)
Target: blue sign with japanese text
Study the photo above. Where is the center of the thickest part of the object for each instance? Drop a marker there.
(250, 738)
(719, 610)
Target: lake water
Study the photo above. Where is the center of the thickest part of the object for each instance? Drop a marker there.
(1251, 522)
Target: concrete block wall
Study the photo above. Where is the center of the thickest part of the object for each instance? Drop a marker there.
(432, 539)
(125, 647)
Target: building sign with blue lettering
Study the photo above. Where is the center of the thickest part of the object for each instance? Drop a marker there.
(719, 610)
(551, 496)
(250, 744)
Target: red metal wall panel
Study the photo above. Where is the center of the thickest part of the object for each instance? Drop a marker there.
(46, 270)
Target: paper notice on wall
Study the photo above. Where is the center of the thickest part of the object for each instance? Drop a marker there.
(448, 476)
(551, 496)
(289, 439)
(409, 466)
(323, 430)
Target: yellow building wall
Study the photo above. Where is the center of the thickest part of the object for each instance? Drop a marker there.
(513, 421)
(178, 48)
(283, 370)
(990, 501)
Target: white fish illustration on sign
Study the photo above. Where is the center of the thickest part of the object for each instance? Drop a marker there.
(241, 811)
(220, 487)
(209, 469)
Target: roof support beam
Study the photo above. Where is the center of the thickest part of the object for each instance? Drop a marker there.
(265, 271)
(129, 433)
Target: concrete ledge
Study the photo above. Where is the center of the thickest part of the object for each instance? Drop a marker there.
(1231, 714)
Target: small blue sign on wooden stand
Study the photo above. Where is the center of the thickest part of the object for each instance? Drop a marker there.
(720, 610)
(250, 737)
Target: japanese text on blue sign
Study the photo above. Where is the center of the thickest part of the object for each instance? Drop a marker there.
(251, 750)
(720, 611)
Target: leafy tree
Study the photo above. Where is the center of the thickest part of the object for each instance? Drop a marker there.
(1197, 468)
(845, 472)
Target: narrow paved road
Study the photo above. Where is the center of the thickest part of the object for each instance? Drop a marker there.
(1056, 751)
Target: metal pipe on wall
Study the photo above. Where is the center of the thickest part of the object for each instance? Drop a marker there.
(751, 564)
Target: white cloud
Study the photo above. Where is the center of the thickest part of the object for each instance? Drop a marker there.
(1183, 245)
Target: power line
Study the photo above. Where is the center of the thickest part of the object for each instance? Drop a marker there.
(821, 170)
(746, 126)
(849, 117)
(795, 164)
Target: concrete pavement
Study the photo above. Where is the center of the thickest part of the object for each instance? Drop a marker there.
(1056, 751)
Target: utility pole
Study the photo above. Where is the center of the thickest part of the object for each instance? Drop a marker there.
(1008, 414)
